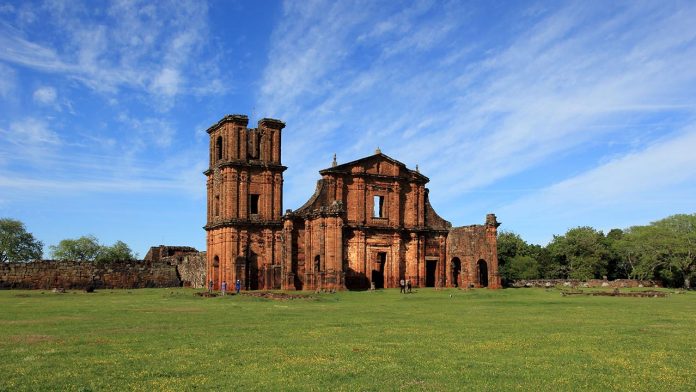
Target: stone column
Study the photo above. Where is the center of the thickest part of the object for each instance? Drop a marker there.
(243, 195)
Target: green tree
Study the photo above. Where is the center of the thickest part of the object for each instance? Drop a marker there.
(636, 252)
(678, 237)
(119, 251)
(581, 253)
(510, 245)
(85, 248)
(16, 244)
(88, 248)
(665, 249)
(616, 269)
(523, 267)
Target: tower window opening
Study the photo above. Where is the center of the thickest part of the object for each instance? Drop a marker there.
(217, 205)
(218, 148)
(254, 204)
(378, 207)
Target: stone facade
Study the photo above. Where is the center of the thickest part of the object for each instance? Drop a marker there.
(369, 223)
(190, 263)
(50, 274)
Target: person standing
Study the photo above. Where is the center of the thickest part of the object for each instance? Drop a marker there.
(402, 286)
(210, 286)
(238, 286)
(224, 287)
(408, 285)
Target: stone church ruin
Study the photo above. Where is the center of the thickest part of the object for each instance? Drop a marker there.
(368, 224)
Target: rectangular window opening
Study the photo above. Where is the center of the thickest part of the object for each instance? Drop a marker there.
(254, 205)
(378, 207)
(217, 205)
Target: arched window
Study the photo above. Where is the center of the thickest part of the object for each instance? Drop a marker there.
(456, 271)
(482, 273)
(218, 148)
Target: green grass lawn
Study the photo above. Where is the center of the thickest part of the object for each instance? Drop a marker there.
(519, 339)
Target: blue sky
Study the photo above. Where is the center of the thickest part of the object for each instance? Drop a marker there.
(550, 114)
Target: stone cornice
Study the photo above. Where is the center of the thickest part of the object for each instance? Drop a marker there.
(400, 229)
(243, 223)
(248, 164)
(240, 119)
(272, 123)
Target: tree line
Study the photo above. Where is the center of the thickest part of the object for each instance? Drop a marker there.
(18, 245)
(664, 250)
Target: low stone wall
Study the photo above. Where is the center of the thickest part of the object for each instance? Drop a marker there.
(191, 268)
(618, 283)
(48, 274)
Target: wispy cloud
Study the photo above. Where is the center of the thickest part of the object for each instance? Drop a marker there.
(8, 81)
(474, 104)
(638, 187)
(45, 95)
(30, 132)
(150, 47)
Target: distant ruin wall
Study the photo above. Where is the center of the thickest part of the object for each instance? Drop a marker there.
(618, 283)
(48, 274)
(191, 268)
(190, 263)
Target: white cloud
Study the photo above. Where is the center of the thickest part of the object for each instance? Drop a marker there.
(153, 48)
(166, 82)
(473, 104)
(31, 132)
(619, 191)
(8, 81)
(46, 95)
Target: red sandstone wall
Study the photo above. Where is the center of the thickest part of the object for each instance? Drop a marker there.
(78, 275)
(470, 244)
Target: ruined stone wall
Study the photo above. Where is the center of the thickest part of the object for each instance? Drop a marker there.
(618, 283)
(49, 274)
(191, 268)
(157, 253)
(475, 247)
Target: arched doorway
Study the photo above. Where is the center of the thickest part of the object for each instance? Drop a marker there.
(456, 271)
(482, 273)
(378, 270)
(216, 272)
(252, 271)
(317, 271)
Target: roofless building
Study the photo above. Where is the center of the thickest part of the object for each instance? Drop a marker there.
(368, 223)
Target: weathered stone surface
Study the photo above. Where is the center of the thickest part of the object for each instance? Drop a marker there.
(369, 222)
(190, 263)
(50, 274)
(618, 283)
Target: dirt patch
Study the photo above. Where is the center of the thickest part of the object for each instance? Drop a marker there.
(617, 293)
(40, 321)
(275, 296)
(171, 310)
(206, 294)
(32, 339)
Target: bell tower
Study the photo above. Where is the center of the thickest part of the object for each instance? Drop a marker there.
(245, 196)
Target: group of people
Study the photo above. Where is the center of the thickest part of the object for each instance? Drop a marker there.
(405, 286)
(223, 287)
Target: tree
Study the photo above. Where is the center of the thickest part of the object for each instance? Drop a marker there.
(119, 251)
(523, 267)
(615, 266)
(16, 244)
(665, 249)
(88, 248)
(510, 245)
(85, 248)
(581, 253)
(678, 236)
